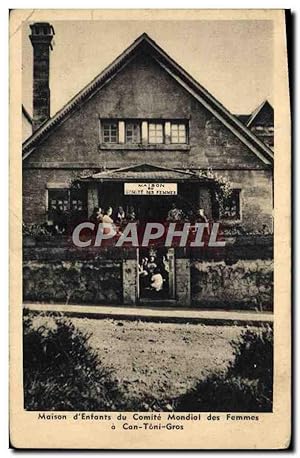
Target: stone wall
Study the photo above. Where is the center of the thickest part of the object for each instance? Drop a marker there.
(246, 284)
(91, 282)
(130, 293)
(183, 283)
(239, 276)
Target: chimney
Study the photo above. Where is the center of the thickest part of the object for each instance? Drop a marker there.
(41, 38)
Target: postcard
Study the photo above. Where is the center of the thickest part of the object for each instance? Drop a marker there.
(150, 251)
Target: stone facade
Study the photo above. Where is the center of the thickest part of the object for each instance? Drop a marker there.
(144, 89)
(256, 197)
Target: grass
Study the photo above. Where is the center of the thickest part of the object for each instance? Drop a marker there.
(138, 365)
(246, 386)
(63, 372)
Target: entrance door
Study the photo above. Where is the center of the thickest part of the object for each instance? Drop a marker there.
(156, 276)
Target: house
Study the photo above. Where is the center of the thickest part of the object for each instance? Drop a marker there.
(143, 119)
(261, 122)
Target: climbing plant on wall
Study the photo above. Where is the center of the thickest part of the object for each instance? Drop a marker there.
(222, 186)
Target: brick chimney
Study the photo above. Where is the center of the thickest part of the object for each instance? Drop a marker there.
(41, 38)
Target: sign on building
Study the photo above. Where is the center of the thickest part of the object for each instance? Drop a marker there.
(150, 189)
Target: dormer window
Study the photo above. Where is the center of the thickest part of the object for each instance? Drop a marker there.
(110, 132)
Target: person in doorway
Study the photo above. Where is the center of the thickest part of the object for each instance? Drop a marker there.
(174, 214)
(107, 216)
(120, 216)
(96, 216)
(165, 264)
(201, 216)
(151, 265)
(190, 216)
(131, 216)
(107, 220)
(157, 280)
(143, 273)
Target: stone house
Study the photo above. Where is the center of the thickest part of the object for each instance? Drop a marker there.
(144, 119)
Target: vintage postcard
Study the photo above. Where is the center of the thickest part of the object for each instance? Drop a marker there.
(150, 167)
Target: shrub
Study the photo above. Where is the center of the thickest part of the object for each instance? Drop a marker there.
(254, 357)
(63, 372)
(247, 386)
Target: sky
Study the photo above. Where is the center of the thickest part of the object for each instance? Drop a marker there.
(233, 60)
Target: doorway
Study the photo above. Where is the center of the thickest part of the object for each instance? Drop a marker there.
(156, 274)
(148, 208)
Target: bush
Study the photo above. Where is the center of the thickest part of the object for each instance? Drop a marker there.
(254, 357)
(248, 384)
(63, 372)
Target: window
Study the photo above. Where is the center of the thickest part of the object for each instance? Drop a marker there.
(231, 206)
(65, 205)
(110, 132)
(133, 133)
(116, 132)
(178, 133)
(58, 201)
(156, 133)
(76, 200)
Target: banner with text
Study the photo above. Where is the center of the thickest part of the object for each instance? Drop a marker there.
(150, 189)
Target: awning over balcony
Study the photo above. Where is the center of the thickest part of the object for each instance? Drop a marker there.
(145, 172)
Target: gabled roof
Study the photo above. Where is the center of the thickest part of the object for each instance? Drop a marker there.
(145, 44)
(265, 105)
(27, 115)
(144, 172)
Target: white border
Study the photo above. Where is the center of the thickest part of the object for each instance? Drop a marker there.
(293, 4)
